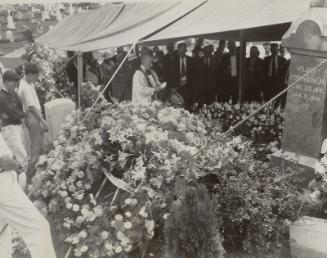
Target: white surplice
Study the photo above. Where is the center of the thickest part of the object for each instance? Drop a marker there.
(142, 92)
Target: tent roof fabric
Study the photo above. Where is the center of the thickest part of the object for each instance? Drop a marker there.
(225, 18)
(115, 25)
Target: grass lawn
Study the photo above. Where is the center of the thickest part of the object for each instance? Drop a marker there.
(7, 47)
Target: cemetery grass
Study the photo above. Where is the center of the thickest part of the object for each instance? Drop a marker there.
(7, 47)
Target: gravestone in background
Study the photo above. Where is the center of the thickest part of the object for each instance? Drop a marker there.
(56, 112)
(305, 125)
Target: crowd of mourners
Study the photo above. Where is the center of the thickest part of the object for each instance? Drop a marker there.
(204, 76)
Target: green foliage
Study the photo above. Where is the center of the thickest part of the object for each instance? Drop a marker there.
(191, 230)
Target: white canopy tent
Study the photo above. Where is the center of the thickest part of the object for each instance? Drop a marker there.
(115, 25)
(155, 23)
(224, 19)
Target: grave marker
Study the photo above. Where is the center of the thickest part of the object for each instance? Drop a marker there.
(305, 125)
(56, 112)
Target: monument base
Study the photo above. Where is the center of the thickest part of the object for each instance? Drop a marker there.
(303, 164)
(308, 238)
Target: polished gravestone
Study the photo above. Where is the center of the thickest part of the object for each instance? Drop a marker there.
(305, 125)
(56, 112)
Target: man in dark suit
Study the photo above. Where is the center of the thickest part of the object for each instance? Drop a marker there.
(209, 80)
(168, 59)
(218, 55)
(180, 75)
(254, 76)
(228, 74)
(220, 51)
(274, 72)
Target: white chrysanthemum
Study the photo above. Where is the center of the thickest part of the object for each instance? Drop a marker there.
(79, 220)
(128, 225)
(119, 218)
(128, 248)
(104, 235)
(84, 248)
(128, 201)
(108, 246)
(128, 214)
(91, 216)
(143, 213)
(79, 183)
(120, 235)
(82, 234)
(63, 194)
(118, 249)
(75, 207)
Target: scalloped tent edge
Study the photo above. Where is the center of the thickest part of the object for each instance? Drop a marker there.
(115, 25)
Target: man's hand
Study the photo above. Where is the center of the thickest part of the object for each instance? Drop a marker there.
(45, 126)
(160, 87)
(173, 91)
(183, 81)
(8, 163)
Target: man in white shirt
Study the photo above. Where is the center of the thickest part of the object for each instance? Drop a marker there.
(35, 123)
(145, 82)
(17, 211)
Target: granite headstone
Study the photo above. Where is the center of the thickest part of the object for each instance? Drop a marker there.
(56, 112)
(305, 125)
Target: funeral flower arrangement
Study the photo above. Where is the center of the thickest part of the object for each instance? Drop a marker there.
(264, 129)
(54, 81)
(110, 179)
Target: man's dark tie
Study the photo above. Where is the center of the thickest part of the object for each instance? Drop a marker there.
(148, 72)
(208, 63)
(274, 67)
(183, 70)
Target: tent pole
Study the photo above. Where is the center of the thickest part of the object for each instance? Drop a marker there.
(137, 50)
(79, 78)
(242, 75)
